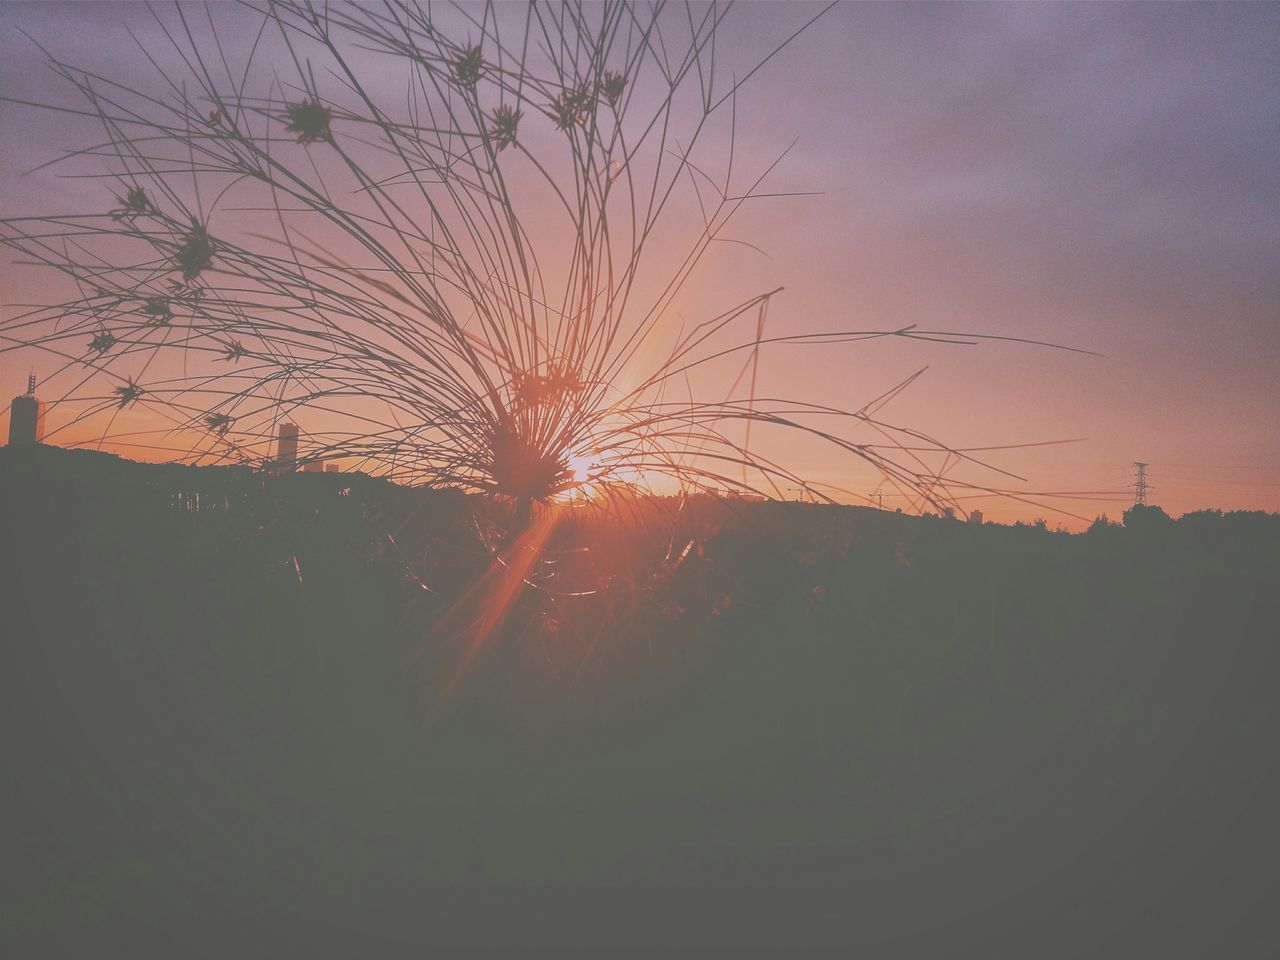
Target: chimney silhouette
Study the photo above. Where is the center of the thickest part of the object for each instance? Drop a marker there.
(287, 448)
(26, 421)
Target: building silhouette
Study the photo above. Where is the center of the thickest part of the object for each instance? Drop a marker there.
(26, 419)
(975, 516)
(287, 448)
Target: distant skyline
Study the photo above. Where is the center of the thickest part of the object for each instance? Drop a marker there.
(1101, 176)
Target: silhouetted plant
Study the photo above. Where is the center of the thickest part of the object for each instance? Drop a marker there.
(612, 87)
(103, 341)
(461, 305)
(195, 254)
(219, 423)
(133, 204)
(504, 121)
(569, 108)
(309, 120)
(158, 311)
(127, 394)
(470, 66)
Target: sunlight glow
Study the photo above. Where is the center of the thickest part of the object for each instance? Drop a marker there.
(585, 471)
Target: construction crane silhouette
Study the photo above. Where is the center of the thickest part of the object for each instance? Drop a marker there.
(806, 495)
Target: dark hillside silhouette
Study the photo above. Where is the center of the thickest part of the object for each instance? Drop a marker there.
(826, 730)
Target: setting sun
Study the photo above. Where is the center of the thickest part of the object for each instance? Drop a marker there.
(583, 471)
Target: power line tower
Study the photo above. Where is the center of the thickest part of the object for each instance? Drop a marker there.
(1140, 485)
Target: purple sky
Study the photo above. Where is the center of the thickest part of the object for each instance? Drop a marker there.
(1103, 176)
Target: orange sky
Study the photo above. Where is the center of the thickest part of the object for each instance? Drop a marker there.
(1097, 176)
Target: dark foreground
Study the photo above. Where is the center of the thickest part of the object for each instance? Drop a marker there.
(835, 732)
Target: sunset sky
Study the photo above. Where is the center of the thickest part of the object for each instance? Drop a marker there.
(1105, 177)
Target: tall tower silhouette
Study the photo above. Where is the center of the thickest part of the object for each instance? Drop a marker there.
(26, 424)
(287, 448)
(1140, 485)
